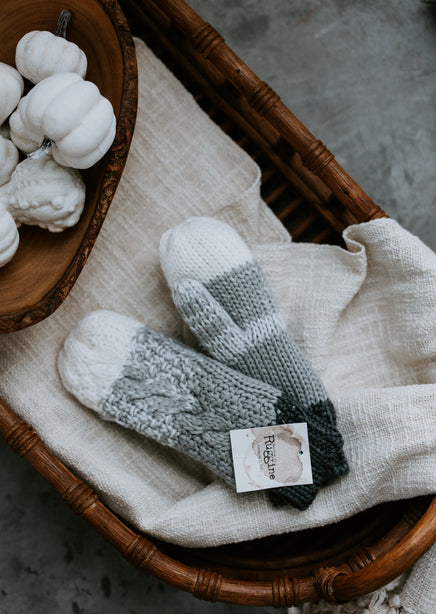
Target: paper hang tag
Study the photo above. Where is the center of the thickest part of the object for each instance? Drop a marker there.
(271, 456)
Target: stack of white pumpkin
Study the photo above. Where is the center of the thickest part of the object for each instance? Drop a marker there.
(62, 124)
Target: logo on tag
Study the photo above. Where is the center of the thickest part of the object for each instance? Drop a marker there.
(271, 456)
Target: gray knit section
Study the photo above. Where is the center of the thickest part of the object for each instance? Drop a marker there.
(284, 367)
(253, 338)
(243, 293)
(236, 321)
(186, 400)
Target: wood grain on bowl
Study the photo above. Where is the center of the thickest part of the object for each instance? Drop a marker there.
(46, 265)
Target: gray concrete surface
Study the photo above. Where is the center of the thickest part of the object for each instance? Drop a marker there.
(360, 76)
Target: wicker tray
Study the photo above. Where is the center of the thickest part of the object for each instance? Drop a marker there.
(315, 199)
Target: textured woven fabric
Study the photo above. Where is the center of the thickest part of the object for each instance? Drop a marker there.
(225, 300)
(363, 315)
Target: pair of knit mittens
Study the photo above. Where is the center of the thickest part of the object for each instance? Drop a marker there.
(250, 372)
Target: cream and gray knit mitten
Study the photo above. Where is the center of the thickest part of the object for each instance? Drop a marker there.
(221, 293)
(142, 380)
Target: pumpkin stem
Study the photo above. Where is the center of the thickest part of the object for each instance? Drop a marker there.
(63, 21)
(46, 145)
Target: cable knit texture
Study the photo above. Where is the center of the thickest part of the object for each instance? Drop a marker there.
(169, 392)
(222, 295)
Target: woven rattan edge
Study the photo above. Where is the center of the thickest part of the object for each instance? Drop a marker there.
(313, 153)
(332, 583)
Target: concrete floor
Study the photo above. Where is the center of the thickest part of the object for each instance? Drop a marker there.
(360, 76)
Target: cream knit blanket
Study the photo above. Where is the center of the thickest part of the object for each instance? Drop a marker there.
(364, 316)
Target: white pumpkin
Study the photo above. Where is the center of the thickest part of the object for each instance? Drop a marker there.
(11, 90)
(40, 53)
(4, 131)
(70, 112)
(9, 237)
(9, 158)
(43, 193)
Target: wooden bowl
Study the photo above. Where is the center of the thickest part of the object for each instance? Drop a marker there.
(46, 265)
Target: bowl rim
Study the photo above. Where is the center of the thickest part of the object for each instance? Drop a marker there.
(114, 165)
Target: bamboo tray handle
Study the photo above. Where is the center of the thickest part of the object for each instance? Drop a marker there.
(331, 583)
(314, 154)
